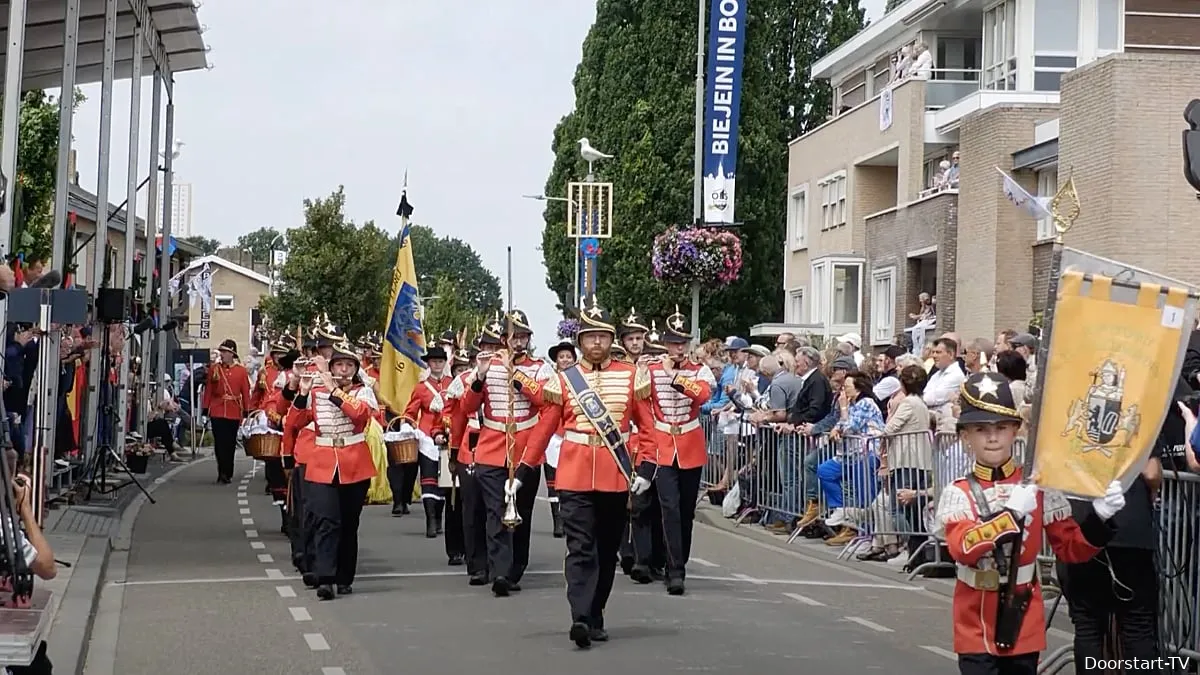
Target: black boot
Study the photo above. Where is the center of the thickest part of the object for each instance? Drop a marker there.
(675, 583)
(641, 574)
(431, 528)
(438, 507)
(398, 510)
(557, 518)
(283, 521)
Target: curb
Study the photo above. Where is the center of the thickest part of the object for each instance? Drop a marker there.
(98, 651)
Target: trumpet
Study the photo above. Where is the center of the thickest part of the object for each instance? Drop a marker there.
(511, 519)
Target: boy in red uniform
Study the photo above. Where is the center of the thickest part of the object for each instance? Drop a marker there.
(226, 402)
(426, 412)
(563, 356)
(988, 512)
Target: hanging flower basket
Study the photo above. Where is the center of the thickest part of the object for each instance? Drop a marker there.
(706, 256)
(567, 328)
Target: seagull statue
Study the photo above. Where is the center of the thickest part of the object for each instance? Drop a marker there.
(176, 147)
(590, 154)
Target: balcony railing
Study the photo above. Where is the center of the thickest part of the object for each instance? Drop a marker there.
(948, 85)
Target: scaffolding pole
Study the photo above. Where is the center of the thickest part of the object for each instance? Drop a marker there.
(131, 189)
(147, 372)
(99, 362)
(164, 269)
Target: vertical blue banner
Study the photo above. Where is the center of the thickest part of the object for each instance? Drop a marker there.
(722, 103)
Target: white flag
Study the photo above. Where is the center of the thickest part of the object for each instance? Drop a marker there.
(1038, 207)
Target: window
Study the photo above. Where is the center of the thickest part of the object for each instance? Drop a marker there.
(114, 275)
(798, 218)
(1000, 46)
(1047, 186)
(1056, 27)
(820, 288)
(852, 91)
(847, 293)
(836, 295)
(1108, 26)
(883, 305)
(223, 302)
(794, 313)
(833, 201)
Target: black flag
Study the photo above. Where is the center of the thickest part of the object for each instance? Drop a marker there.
(405, 209)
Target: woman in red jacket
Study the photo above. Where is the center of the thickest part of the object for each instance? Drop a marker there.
(339, 467)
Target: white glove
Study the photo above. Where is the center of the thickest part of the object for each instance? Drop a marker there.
(1113, 500)
(639, 485)
(511, 486)
(1023, 499)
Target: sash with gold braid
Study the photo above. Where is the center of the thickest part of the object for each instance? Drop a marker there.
(597, 413)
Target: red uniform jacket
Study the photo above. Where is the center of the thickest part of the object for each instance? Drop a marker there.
(584, 462)
(675, 401)
(426, 409)
(973, 542)
(227, 394)
(264, 386)
(491, 395)
(460, 421)
(339, 445)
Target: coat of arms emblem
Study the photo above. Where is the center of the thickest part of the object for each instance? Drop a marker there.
(1099, 420)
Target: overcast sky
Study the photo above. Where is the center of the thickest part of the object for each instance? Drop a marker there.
(464, 95)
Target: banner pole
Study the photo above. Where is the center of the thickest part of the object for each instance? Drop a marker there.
(1062, 225)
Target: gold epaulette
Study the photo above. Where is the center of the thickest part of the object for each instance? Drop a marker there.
(552, 389)
(642, 383)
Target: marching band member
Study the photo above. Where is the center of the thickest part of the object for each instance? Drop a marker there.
(679, 387)
(274, 406)
(597, 469)
(448, 341)
(455, 544)
(464, 435)
(491, 390)
(563, 356)
(999, 624)
(268, 373)
(426, 413)
(226, 403)
(631, 334)
(339, 465)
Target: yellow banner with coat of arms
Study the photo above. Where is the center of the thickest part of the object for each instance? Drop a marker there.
(1108, 381)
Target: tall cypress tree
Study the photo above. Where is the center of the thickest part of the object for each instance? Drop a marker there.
(634, 98)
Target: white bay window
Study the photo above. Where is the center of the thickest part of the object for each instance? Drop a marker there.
(836, 300)
(883, 305)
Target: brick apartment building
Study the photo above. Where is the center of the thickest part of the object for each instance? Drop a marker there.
(1097, 87)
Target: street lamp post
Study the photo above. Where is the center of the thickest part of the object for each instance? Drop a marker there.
(578, 239)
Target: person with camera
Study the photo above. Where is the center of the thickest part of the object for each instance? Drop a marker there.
(31, 545)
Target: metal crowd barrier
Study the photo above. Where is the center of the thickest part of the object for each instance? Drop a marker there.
(832, 488)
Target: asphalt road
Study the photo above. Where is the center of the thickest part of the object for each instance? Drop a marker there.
(209, 589)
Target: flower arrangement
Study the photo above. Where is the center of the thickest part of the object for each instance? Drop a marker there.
(697, 255)
(567, 328)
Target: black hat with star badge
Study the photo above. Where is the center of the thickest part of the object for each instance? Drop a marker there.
(632, 323)
(677, 330)
(986, 398)
(493, 332)
(594, 319)
(517, 323)
(654, 345)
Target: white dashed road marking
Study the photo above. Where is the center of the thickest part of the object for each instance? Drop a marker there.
(702, 561)
(258, 545)
(273, 573)
(251, 534)
(804, 600)
(749, 579)
(333, 671)
(244, 512)
(316, 642)
(285, 591)
(300, 614)
(265, 558)
(868, 624)
(940, 652)
(243, 502)
(247, 521)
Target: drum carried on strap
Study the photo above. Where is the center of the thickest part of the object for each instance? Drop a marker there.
(401, 441)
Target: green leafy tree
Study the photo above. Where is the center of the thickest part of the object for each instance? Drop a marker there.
(449, 309)
(893, 4)
(642, 110)
(37, 163)
(444, 257)
(259, 243)
(207, 245)
(334, 267)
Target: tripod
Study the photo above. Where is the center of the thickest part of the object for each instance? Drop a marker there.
(106, 425)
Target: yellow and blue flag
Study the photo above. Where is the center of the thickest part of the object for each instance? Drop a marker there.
(404, 339)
